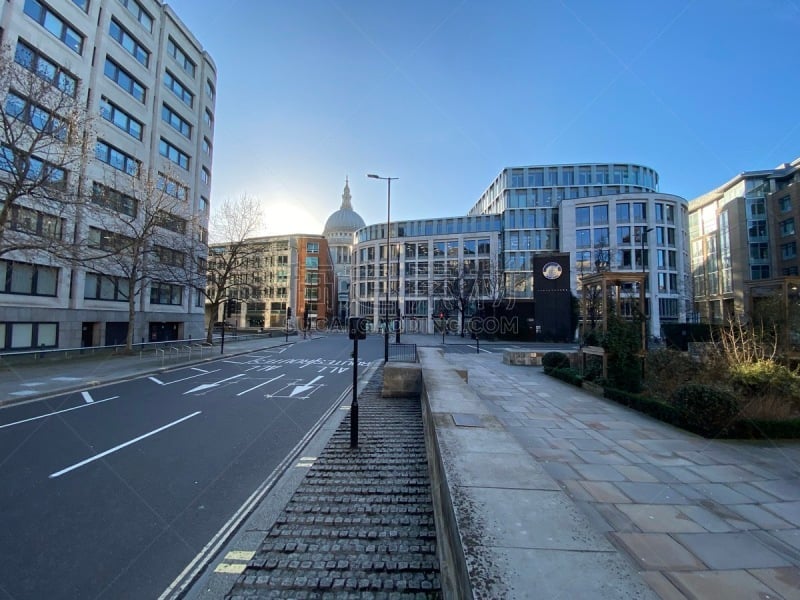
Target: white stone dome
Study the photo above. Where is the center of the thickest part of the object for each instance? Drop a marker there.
(344, 220)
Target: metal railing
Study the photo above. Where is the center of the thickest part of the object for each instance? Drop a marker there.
(403, 352)
(163, 349)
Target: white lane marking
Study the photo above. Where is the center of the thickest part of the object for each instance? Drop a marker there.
(259, 385)
(206, 386)
(58, 412)
(199, 369)
(159, 382)
(87, 397)
(305, 387)
(121, 446)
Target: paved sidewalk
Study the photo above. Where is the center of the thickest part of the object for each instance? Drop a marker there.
(699, 518)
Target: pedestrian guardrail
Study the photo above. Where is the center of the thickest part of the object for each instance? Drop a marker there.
(403, 353)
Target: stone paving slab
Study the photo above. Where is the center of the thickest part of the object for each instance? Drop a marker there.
(360, 525)
(701, 518)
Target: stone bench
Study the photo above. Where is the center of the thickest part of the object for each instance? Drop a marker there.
(522, 357)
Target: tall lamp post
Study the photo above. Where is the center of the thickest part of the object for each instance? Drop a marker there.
(388, 226)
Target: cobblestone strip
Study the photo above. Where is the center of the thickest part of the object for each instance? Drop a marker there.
(361, 523)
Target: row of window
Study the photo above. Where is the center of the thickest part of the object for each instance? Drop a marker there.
(413, 250)
(21, 336)
(40, 280)
(35, 169)
(55, 24)
(664, 213)
(583, 175)
(599, 236)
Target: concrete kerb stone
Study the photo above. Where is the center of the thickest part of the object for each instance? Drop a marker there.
(488, 523)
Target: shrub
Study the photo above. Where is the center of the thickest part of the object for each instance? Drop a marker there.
(710, 409)
(566, 374)
(666, 370)
(764, 378)
(555, 360)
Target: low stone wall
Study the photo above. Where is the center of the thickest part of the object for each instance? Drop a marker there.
(402, 380)
(522, 357)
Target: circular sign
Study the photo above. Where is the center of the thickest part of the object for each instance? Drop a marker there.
(552, 270)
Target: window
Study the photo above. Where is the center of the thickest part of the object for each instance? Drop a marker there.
(82, 4)
(53, 23)
(166, 293)
(582, 216)
(116, 158)
(168, 256)
(18, 336)
(177, 122)
(312, 262)
(210, 92)
(484, 247)
(172, 187)
(124, 80)
(785, 204)
(103, 239)
(138, 13)
(206, 147)
(789, 250)
(128, 42)
(600, 214)
(787, 227)
(114, 114)
(208, 119)
(623, 212)
(36, 116)
(624, 235)
(27, 279)
(177, 88)
(35, 62)
(203, 204)
(169, 151)
(180, 57)
(171, 222)
(35, 222)
(38, 169)
(312, 247)
(759, 272)
(111, 198)
(583, 238)
(639, 211)
(205, 175)
(106, 287)
(600, 237)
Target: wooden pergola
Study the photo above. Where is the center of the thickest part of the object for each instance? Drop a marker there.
(610, 292)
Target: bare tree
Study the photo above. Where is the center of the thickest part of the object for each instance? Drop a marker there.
(44, 128)
(232, 224)
(141, 234)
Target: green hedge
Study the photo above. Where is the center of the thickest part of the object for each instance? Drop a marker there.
(750, 429)
(566, 374)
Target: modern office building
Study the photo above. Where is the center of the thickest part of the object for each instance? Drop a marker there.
(744, 241)
(150, 88)
(280, 273)
(602, 216)
(339, 230)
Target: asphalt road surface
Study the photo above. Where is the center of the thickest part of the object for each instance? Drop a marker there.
(111, 492)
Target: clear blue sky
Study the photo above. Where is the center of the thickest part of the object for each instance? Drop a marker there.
(445, 94)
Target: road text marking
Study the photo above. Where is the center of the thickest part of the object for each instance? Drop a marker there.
(121, 446)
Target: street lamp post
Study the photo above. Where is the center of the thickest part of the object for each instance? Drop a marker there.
(397, 300)
(643, 231)
(388, 227)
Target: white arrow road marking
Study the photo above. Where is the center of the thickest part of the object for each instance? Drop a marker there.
(121, 446)
(305, 387)
(259, 385)
(159, 382)
(206, 386)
